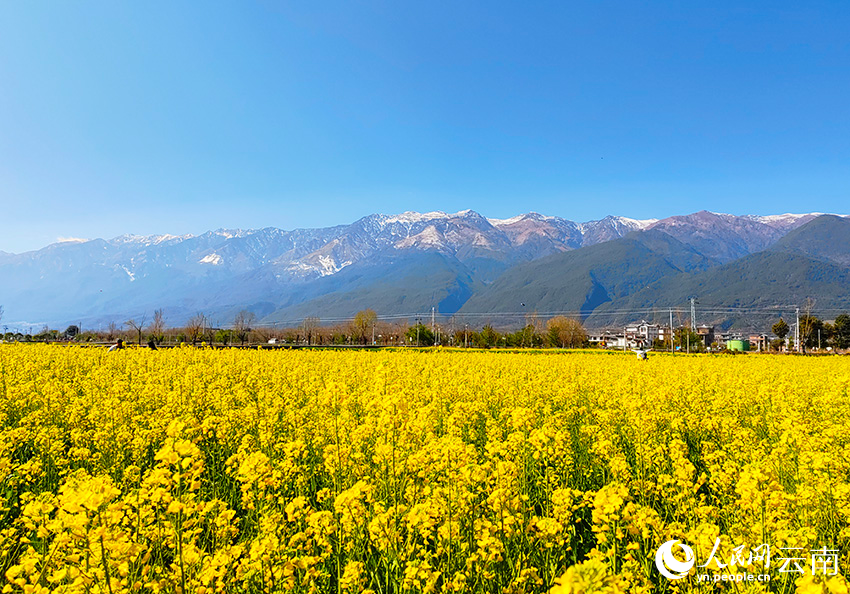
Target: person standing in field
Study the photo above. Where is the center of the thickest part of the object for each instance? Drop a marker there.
(117, 346)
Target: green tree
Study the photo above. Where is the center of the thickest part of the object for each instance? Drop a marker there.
(223, 336)
(487, 338)
(688, 340)
(841, 330)
(781, 329)
(828, 334)
(526, 337)
(419, 335)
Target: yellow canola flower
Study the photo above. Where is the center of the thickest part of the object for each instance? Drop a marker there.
(215, 471)
(589, 577)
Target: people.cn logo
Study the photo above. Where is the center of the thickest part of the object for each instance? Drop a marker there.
(668, 565)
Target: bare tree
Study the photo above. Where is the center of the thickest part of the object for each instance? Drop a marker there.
(807, 323)
(309, 327)
(1, 312)
(112, 329)
(265, 333)
(195, 327)
(242, 324)
(565, 332)
(157, 327)
(535, 322)
(210, 329)
(364, 322)
(533, 328)
(137, 325)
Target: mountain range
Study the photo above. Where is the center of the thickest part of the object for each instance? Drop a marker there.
(609, 271)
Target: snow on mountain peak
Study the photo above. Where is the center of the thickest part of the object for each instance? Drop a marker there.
(231, 233)
(410, 217)
(169, 237)
(534, 216)
(213, 259)
(148, 239)
(510, 221)
(636, 223)
(427, 238)
(783, 218)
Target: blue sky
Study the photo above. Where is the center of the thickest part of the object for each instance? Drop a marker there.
(179, 117)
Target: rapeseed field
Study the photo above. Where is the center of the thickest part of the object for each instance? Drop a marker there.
(202, 471)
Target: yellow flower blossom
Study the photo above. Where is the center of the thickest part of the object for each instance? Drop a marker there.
(212, 471)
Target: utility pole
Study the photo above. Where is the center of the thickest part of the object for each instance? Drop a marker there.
(693, 314)
(466, 336)
(433, 329)
(797, 332)
(671, 329)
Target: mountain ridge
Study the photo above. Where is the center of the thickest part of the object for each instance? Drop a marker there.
(271, 269)
(809, 262)
(783, 221)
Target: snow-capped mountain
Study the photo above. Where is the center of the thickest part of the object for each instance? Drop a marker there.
(268, 268)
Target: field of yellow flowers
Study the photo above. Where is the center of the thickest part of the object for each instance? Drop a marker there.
(201, 471)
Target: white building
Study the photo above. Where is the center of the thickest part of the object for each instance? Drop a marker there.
(644, 332)
(605, 339)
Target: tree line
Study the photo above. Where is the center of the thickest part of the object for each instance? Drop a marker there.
(814, 333)
(364, 329)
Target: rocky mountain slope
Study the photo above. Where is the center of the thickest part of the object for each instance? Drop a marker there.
(646, 273)
(394, 263)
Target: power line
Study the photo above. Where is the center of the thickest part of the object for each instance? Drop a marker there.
(635, 312)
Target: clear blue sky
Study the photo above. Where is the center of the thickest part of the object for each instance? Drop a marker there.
(179, 117)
